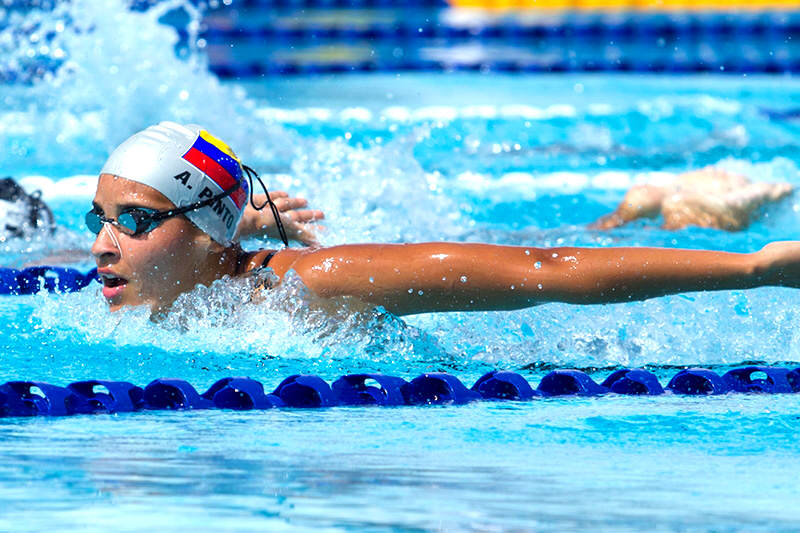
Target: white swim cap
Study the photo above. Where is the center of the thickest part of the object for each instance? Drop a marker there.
(187, 165)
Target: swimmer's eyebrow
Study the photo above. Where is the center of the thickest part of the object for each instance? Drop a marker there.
(123, 207)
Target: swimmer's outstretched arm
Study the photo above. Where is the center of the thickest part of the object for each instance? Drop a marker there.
(419, 278)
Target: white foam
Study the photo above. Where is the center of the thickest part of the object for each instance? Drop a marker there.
(119, 74)
(357, 114)
(443, 113)
(611, 180)
(72, 187)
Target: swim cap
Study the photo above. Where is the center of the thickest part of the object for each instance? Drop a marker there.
(186, 164)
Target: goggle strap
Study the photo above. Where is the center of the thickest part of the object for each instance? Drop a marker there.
(274, 208)
(197, 205)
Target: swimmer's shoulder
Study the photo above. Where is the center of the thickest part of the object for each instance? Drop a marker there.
(280, 261)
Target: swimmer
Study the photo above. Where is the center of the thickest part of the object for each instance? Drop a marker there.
(23, 215)
(169, 200)
(707, 198)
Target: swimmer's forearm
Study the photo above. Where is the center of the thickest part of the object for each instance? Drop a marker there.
(417, 278)
(612, 275)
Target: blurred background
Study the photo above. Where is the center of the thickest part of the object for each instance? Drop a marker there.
(246, 38)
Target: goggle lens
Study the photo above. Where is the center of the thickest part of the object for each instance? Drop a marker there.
(93, 222)
(133, 222)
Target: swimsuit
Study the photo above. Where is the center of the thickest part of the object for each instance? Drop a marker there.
(266, 259)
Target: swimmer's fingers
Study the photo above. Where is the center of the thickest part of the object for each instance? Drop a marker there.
(274, 195)
(607, 222)
(304, 216)
(300, 225)
(282, 201)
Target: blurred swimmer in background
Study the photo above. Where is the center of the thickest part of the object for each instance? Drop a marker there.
(706, 198)
(22, 215)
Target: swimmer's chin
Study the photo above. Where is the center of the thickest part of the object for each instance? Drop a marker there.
(156, 309)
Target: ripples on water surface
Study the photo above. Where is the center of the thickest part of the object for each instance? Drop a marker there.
(523, 161)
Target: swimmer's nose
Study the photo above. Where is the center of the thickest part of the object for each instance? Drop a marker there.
(106, 244)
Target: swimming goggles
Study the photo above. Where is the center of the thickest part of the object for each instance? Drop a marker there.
(136, 221)
(139, 220)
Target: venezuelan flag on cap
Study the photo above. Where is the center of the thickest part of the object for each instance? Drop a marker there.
(217, 161)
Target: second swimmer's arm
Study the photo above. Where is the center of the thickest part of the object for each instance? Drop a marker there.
(418, 278)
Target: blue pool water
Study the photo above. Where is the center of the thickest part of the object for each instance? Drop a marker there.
(511, 160)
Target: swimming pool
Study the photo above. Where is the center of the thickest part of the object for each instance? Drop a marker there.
(514, 160)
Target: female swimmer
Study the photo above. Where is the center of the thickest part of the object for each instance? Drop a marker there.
(169, 200)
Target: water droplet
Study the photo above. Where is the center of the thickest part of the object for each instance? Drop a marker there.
(537, 265)
(463, 279)
(555, 255)
(512, 287)
(540, 286)
(527, 252)
(420, 292)
(410, 291)
(371, 279)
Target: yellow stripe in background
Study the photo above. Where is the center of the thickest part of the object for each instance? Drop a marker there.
(632, 5)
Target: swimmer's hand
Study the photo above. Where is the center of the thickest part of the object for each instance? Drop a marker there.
(298, 222)
(779, 263)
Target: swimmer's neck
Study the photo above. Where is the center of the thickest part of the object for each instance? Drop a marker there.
(232, 261)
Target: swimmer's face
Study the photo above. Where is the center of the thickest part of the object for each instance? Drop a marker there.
(152, 268)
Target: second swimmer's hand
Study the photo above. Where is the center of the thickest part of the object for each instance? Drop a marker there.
(779, 263)
(298, 222)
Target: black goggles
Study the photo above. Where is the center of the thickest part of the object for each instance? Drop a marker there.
(140, 220)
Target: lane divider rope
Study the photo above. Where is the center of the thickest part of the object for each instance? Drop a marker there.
(35, 398)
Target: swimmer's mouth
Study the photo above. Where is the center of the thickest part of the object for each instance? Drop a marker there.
(112, 281)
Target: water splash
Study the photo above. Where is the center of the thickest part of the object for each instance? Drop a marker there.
(235, 316)
(90, 73)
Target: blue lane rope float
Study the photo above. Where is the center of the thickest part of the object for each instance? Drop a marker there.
(569, 382)
(44, 278)
(369, 389)
(438, 388)
(769, 380)
(633, 381)
(241, 394)
(698, 381)
(503, 385)
(35, 398)
(109, 396)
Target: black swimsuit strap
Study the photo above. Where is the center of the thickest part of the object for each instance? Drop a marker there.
(267, 259)
(243, 259)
